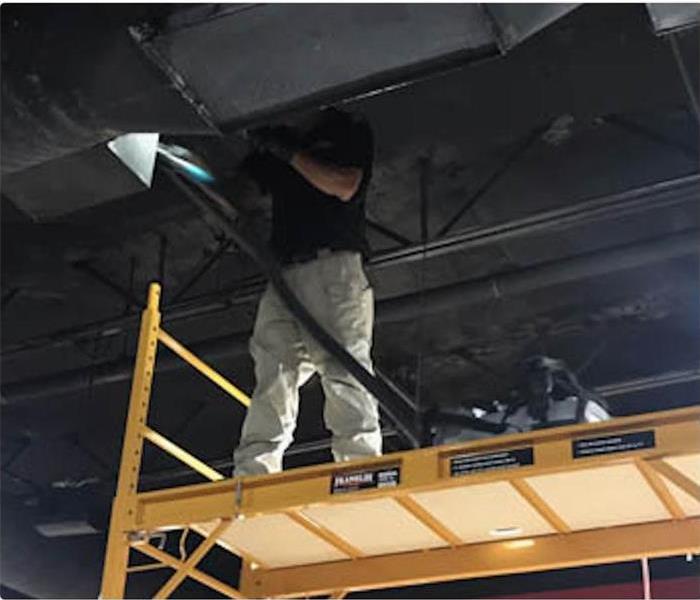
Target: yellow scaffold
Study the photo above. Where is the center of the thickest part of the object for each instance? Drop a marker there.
(573, 496)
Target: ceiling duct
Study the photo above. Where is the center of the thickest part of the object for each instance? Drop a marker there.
(269, 59)
(514, 23)
(74, 78)
(77, 79)
(404, 308)
(669, 18)
(255, 62)
(137, 151)
(85, 179)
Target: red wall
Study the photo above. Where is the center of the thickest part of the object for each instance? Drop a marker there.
(681, 587)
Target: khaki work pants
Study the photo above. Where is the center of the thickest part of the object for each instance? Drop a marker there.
(335, 290)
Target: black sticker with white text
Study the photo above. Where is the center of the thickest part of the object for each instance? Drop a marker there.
(465, 464)
(610, 444)
(354, 481)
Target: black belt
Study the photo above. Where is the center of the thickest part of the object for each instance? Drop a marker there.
(309, 255)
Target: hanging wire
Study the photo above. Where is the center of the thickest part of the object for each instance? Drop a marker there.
(91, 374)
(161, 537)
(592, 356)
(646, 578)
(181, 546)
(424, 164)
(133, 263)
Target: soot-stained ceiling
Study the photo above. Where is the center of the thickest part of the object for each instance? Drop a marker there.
(556, 183)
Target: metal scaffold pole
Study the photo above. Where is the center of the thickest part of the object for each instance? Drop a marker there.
(117, 555)
(367, 525)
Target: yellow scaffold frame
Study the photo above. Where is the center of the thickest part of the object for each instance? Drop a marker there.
(220, 503)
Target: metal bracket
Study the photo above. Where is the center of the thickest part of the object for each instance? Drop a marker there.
(239, 500)
(137, 537)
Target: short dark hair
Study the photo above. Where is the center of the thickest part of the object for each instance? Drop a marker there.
(333, 122)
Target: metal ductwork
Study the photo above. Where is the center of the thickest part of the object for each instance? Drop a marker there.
(119, 168)
(451, 297)
(359, 49)
(671, 17)
(73, 79)
(516, 22)
(83, 76)
(76, 79)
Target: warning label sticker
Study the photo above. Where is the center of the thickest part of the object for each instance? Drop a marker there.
(626, 442)
(464, 464)
(342, 483)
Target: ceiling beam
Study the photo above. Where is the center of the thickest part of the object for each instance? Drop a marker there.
(403, 308)
(661, 194)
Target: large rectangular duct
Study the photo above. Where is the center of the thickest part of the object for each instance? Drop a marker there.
(668, 18)
(73, 77)
(242, 63)
(517, 22)
(85, 179)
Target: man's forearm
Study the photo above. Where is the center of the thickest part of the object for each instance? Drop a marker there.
(341, 182)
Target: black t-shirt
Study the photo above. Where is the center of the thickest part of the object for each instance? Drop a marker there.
(305, 219)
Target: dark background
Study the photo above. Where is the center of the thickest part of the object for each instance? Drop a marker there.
(81, 240)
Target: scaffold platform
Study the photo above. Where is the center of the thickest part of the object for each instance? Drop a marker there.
(619, 490)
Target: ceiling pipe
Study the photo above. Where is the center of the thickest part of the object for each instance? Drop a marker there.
(641, 384)
(445, 298)
(661, 194)
(514, 283)
(117, 371)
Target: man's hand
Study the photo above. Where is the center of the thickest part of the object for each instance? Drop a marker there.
(281, 142)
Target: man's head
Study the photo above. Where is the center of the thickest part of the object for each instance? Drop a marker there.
(330, 123)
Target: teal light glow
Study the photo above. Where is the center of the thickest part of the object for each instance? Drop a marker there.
(193, 170)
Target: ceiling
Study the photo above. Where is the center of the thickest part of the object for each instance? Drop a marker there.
(571, 157)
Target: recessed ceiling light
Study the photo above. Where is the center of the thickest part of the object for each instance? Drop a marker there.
(505, 531)
(515, 544)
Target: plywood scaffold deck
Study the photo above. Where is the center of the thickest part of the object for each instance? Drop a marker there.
(580, 495)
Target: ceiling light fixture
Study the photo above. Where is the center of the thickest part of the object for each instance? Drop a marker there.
(505, 531)
(65, 528)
